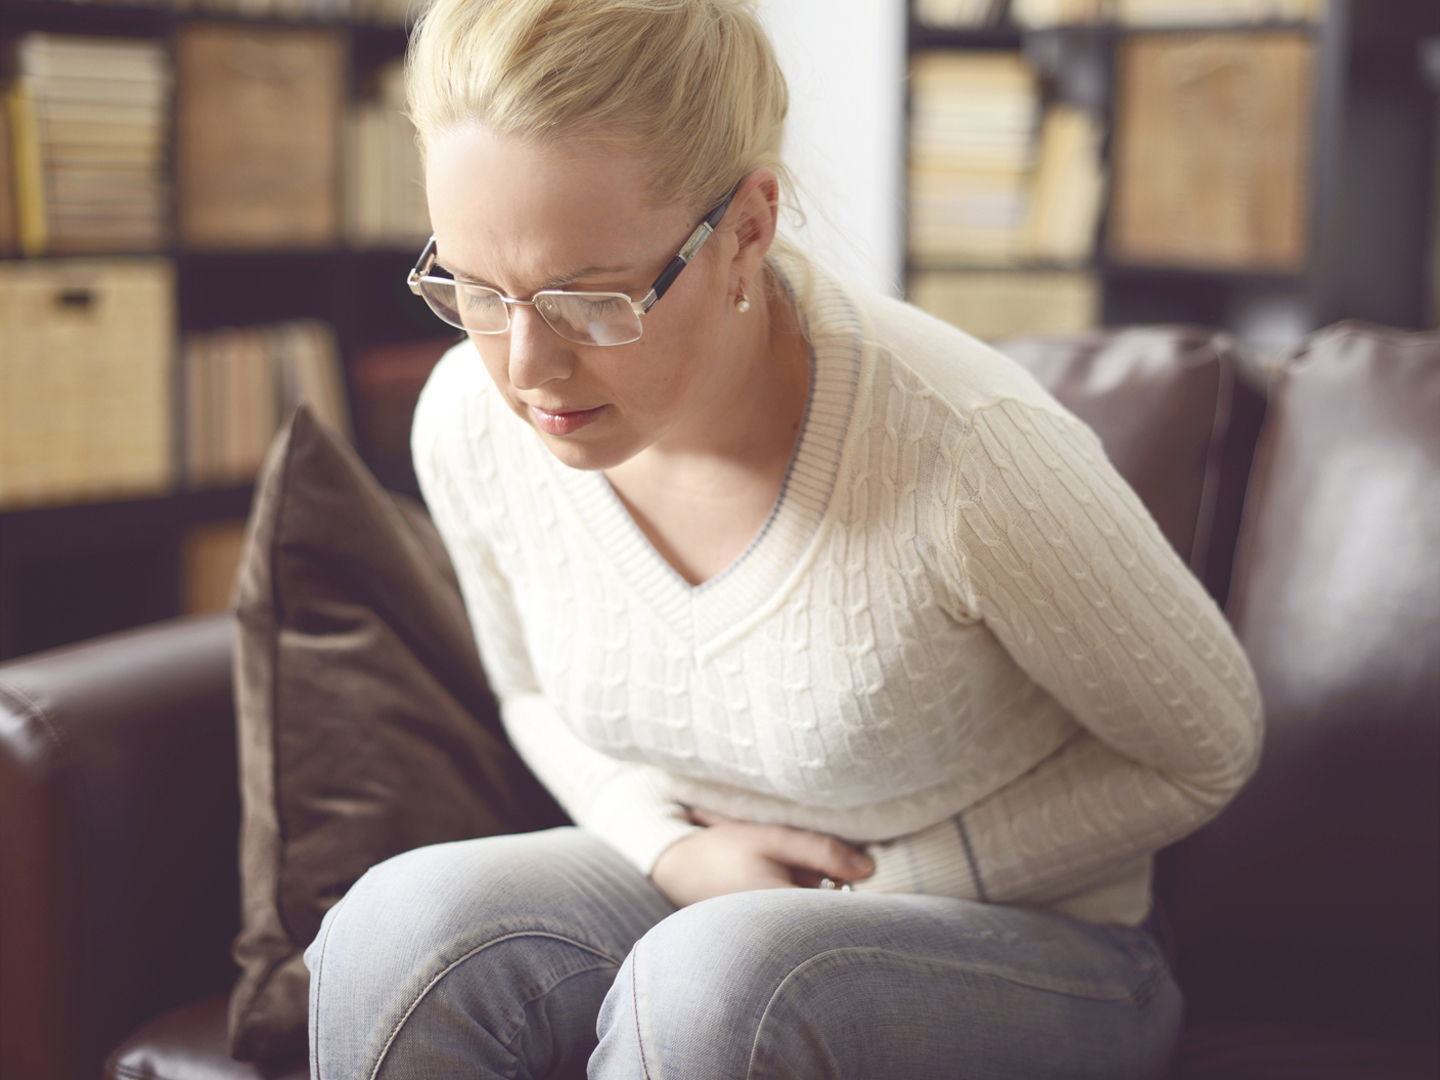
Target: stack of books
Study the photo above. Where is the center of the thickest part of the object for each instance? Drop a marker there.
(959, 14)
(974, 118)
(88, 125)
(1038, 14)
(386, 381)
(241, 382)
(385, 183)
(1215, 12)
(1005, 198)
(1067, 189)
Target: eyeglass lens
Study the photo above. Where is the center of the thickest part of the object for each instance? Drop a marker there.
(585, 320)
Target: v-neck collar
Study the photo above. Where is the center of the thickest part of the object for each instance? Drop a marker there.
(702, 614)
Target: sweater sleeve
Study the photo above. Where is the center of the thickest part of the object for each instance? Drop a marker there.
(1040, 538)
(624, 803)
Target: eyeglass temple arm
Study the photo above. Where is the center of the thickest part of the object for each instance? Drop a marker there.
(695, 243)
(422, 267)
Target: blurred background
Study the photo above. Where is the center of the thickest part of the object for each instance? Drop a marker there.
(207, 209)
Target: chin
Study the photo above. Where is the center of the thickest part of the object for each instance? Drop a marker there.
(587, 456)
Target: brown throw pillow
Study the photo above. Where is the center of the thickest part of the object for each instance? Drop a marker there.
(365, 724)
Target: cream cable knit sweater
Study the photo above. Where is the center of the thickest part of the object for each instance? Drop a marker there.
(960, 637)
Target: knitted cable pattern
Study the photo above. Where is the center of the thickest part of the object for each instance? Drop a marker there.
(960, 637)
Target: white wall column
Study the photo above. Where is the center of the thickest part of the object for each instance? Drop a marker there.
(845, 64)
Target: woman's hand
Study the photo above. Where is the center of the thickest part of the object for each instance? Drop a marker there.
(736, 856)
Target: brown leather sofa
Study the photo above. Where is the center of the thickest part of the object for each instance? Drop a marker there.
(1305, 920)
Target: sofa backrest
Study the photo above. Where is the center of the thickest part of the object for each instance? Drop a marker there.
(1178, 418)
(1314, 897)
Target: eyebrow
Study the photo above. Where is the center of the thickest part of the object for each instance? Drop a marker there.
(554, 283)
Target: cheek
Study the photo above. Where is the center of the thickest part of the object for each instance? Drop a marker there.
(495, 355)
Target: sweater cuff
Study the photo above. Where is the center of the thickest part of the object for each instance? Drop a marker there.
(937, 861)
(635, 813)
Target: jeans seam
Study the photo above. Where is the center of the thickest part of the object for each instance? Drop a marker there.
(399, 1024)
(315, 978)
(635, 1010)
(1138, 997)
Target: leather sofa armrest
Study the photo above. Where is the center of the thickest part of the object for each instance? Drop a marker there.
(119, 818)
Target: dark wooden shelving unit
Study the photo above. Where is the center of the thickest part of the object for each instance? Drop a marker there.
(69, 572)
(1372, 166)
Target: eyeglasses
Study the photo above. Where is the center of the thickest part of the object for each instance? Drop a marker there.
(586, 318)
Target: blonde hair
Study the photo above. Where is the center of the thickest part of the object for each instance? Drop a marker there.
(691, 85)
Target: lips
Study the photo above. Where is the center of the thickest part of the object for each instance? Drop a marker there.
(564, 423)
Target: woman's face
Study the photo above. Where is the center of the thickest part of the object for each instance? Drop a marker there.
(520, 218)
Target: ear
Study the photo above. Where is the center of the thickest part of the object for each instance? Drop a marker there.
(752, 219)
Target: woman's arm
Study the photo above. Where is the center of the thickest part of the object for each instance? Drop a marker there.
(624, 803)
(1043, 541)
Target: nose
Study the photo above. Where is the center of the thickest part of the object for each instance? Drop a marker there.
(538, 355)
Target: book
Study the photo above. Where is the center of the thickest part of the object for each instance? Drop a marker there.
(85, 387)
(83, 99)
(257, 135)
(959, 14)
(974, 116)
(387, 381)
(1007, 303)
(1039, 14)
(384, 179)
(238, 384)
(1211, 151)
(9, 235)
(31, 220)
(1067, 191)
(1175, 13)
(309, 369)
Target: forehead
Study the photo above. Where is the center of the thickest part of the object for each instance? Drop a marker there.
(514, 212)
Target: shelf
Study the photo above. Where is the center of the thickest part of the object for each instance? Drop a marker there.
(1010, 36)
(181, 254)
(78, 527)
(136, 20)
(73, 18)
(996, 37)
(1111, 270)
(1238, 277)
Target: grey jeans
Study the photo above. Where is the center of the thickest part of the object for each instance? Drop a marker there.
(545, 954)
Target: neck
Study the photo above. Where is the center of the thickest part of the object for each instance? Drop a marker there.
(750, 413)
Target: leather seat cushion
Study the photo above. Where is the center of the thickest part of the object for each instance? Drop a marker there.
(189, 1044)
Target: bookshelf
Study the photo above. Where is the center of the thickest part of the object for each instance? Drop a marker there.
(74, 567)
(1366, 183)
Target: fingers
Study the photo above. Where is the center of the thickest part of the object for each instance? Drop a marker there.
(815, 852)
(808, 855)
(716, 861)
(707, 818)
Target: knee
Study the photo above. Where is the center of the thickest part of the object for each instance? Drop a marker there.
(698, 987)
(432, 899)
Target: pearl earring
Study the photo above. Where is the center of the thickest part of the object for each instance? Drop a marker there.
(742, 304)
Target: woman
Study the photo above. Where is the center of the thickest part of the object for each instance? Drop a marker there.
(780, 586)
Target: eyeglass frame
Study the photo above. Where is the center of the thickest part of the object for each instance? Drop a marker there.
(420, 273)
